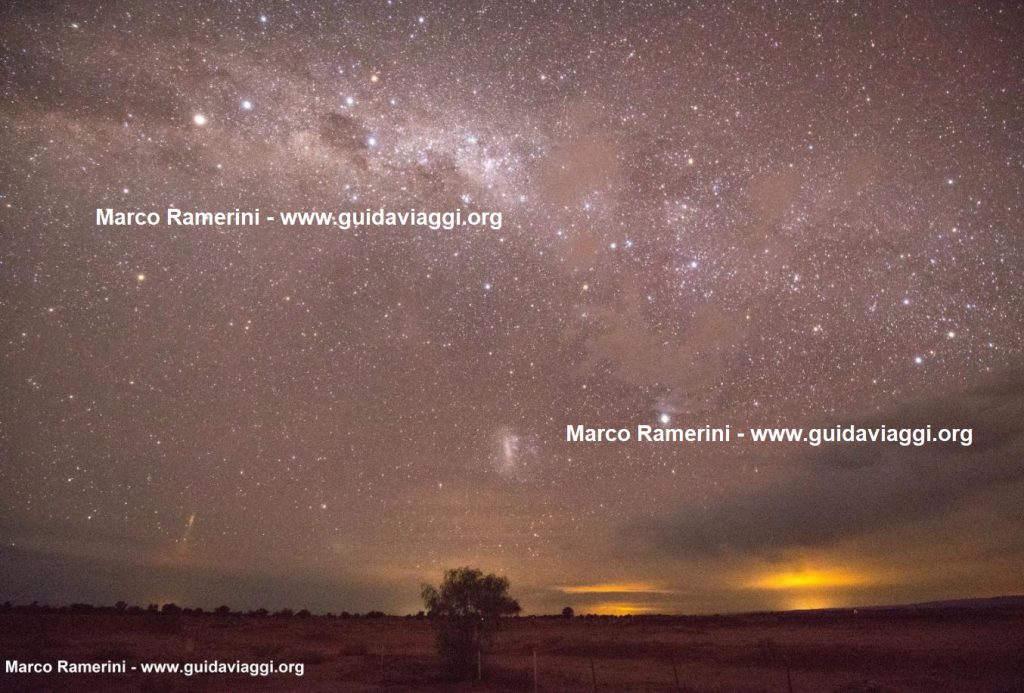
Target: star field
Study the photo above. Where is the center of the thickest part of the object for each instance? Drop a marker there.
(795, 215)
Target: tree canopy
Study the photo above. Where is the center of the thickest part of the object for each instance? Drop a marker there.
(467, 592)
(467, 606)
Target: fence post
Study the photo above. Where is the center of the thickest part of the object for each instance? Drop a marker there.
(593, 675)
(675, 675)
(535, 670)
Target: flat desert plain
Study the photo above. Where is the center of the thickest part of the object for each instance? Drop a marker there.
(805, 652)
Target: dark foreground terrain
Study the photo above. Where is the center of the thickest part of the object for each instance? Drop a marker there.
(856, 652)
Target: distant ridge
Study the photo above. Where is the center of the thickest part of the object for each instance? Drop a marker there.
(978, 603)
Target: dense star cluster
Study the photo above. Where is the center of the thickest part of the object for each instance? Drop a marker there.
(804, 214)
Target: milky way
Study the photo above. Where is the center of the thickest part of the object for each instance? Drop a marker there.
(799, 214)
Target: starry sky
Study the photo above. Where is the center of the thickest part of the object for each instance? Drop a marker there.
(779, 214)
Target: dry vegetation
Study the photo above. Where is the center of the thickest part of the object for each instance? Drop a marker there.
(930, 651)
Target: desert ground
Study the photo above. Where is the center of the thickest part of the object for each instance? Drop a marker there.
(805, 652)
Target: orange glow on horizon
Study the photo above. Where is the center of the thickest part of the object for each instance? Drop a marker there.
(618, 609)
(810, 579)
(811, 602)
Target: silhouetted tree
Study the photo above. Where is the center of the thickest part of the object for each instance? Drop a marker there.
(223, 610)
(568, 612)
(467, 607)
(170, 609)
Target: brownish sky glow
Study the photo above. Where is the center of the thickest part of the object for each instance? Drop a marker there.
(714, 213)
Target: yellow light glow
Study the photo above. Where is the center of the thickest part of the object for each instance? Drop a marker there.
(809, 602)
(809, 579)
(618, 609)
(614, 588)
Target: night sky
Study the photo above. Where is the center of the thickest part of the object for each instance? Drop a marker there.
(796, 214)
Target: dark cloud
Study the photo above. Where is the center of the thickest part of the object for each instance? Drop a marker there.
(60, 578)
(843, 490)
(343, 132)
